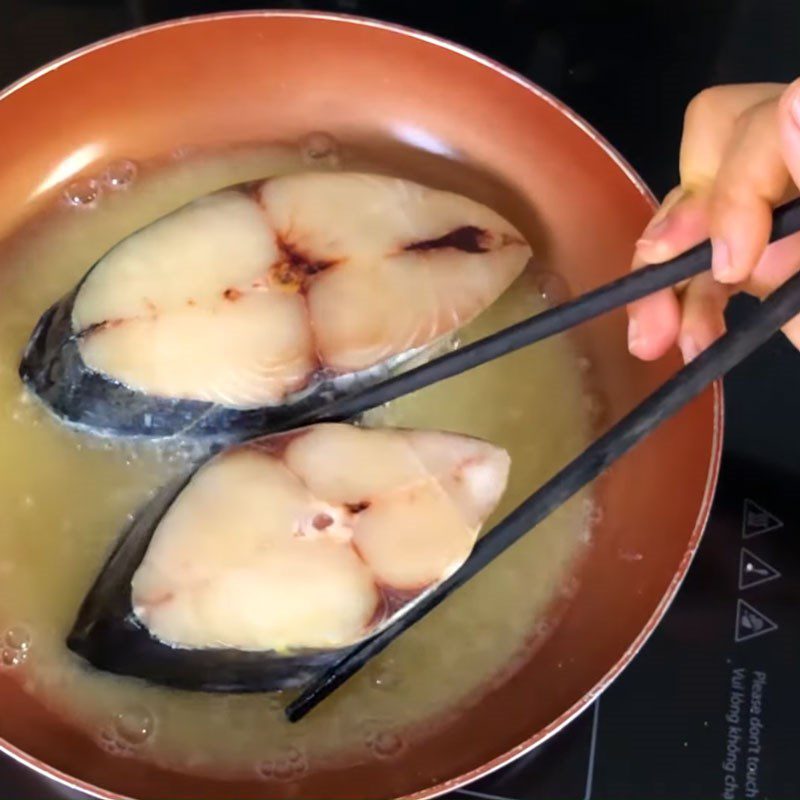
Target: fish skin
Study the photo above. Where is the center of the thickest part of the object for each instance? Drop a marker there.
(108, 635)
(53, 370)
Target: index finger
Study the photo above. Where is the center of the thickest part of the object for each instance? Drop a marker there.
(709, 123)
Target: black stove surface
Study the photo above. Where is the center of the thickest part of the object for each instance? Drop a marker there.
(710, 706)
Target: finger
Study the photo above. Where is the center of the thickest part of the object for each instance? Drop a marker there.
(684, 224)
(792, 331)
(709, 123)
(789, 133)
(777, 264)
(789, 129)
(653, 323)
(702, 322)
(752, 178)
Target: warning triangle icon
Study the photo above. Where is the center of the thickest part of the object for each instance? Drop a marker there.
(751, 623)
(753, 571)
(757, 520)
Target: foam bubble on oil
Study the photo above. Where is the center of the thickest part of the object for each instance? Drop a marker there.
(182, 152)
(83, 193)
(551, 286)
(570, 586)
(134, 725)
(385, 675)
(596, 406)
(119, 174)
(16, 642)
(288, 764)
(86, 192)
(585, 364)
(381, 740)
(320, 149)
(386, 744)
(108, 741)
(130, 729)
(592, 512)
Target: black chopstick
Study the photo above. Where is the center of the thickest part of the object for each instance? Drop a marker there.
(633, 286)
(712, 364)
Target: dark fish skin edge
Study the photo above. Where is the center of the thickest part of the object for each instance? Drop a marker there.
(53, 369)
(108, 635)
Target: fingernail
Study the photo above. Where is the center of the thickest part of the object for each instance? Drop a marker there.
(720, 259)
(634, 336)
(657, 227)
(689, 348)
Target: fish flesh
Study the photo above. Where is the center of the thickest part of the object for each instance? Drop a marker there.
(278, 555)
(255, 305)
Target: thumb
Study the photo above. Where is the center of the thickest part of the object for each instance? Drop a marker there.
(789, 129)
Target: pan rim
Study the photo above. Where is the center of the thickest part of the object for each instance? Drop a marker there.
(715, 455)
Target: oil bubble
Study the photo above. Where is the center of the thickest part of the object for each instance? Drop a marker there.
(386, 744)
(82, 193)
(585, 364)
(320, 149)
(287, 765)
(111, 743)
(381, 741)
(11, 657)
(134, 725)
(552, 287)
(106, 736)
(182, 151)
(266, 769)
(120, 174)
(595, 404)
(593, 513)
(570, 586)
(275, 701)
(386, 675)
(18, 638)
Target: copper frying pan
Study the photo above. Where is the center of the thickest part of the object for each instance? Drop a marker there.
(256, 76)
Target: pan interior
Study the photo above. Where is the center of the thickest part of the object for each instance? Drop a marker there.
(205, 84)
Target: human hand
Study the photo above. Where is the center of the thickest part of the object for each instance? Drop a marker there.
(740, 157)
